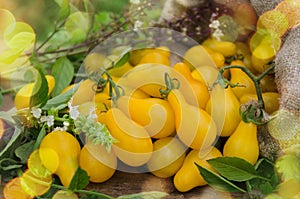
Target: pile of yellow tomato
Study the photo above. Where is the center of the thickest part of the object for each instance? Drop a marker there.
(166, 134)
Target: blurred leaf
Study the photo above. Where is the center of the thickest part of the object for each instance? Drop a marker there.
(9, 56)
(24, 151)
(22, 41)
(60, 99)
(64, 9)
(77, 26)
(80, 179)
(63, 72)
(102, 19)
(218, 182)
(7, 164)
(233, 168)
(145, 195)
(40, 90)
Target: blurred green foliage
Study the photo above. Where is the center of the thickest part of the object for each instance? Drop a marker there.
(41, 14)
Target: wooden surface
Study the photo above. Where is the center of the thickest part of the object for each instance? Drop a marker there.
(128, 183)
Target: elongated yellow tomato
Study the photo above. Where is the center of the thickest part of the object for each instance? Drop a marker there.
(148, 77)
(155, 58)
(226, 48)
(188, 177)
(198, 88)
(223, 107)
(134, 146)
(239, 77)
(167, 157)
(59, 152)
(120, 71)
(156, 115)
(194, 126)
(99, 164)
(22, 98)
(243, 143)
(271, 100)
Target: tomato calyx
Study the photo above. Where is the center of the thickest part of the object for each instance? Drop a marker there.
(171, 83)
(253, 112)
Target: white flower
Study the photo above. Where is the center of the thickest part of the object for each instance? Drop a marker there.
(92, 114)
(36, 112)
(137, 25)
(218, 34)
(48, 119)
(73, 110)
(135, 1)
(66, 124)
(60, 128)
(215, 24)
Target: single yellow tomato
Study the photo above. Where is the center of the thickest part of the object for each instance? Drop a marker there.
(134, 146)
(13, 190)
(188, 177)
(243, 143)
(99, 164)
(167, 158)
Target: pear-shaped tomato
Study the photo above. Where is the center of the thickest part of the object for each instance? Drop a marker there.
(188, 177)
(241, 78)
(167, 157)
(156, 115)
(198, 88)
(134, 145)
(243, 143)
(223, 106)
(194, 126)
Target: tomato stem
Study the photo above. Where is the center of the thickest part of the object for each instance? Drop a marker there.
(171, 83)
(252, 117)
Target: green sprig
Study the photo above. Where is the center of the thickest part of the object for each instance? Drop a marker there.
(94, 131)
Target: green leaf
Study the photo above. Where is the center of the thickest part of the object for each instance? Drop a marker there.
(61, 99)
(9, 145)
(77, 26)
(40, 137)
(64, 9)
(218, 182)
(24, 151)
(145, 195)
(63, 72)
(40, 90)
(123, 59)
(80, 180)
(7, 164)
(264, 168)
(233, 168)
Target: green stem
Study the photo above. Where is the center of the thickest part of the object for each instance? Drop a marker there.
(104, 196)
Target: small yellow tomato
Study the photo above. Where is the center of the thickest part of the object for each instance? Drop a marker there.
(226, 48)
(99, 164)
(188, 177)
(13, 190)
(167, 158)
(155, 58)
(243, 143)
(134, 146)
